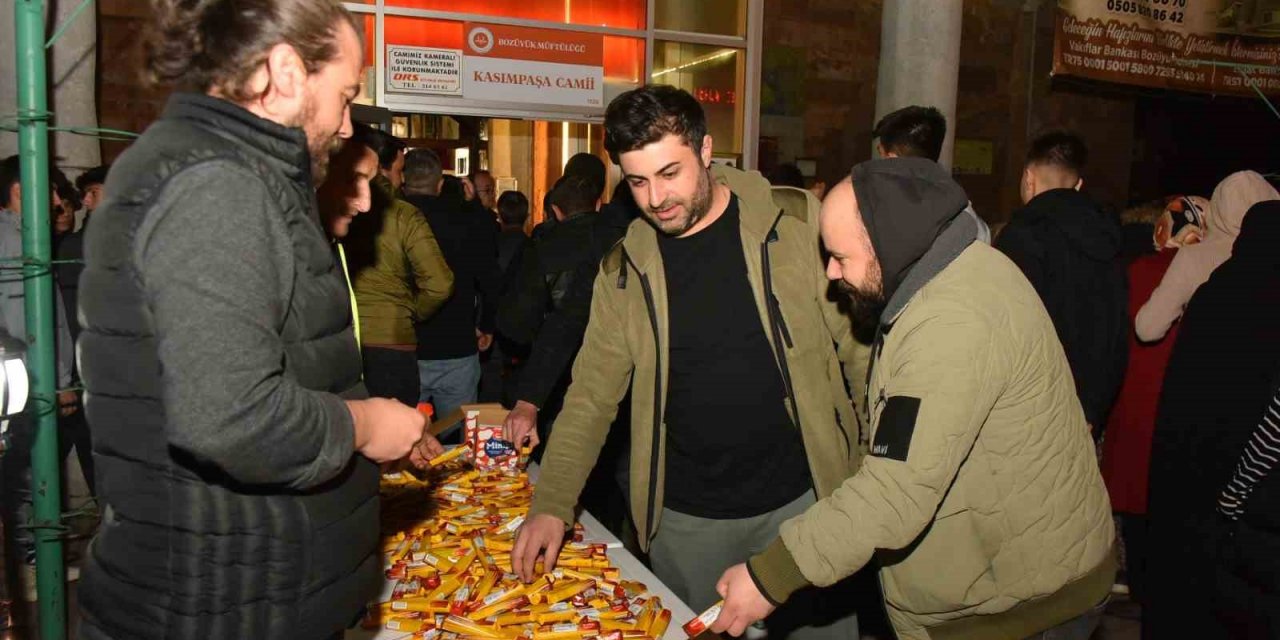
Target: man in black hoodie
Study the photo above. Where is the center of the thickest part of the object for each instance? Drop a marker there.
(449, 343)
(1069, 248)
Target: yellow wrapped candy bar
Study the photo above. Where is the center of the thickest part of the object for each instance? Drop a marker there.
(470, 628)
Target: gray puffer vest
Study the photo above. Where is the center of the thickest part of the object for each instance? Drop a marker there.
(185, 551)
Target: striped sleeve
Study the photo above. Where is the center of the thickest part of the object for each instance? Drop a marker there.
(1261, 455)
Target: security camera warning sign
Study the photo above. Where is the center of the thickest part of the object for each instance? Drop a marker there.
(424, 70)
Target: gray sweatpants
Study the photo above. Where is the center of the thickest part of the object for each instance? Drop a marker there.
(689, 554)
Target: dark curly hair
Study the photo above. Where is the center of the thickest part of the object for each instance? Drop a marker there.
(646, 115)
(203, 45)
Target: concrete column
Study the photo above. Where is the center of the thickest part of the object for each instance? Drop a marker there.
(73, 79)
(72, 84)
(9, 84)
(920, 59)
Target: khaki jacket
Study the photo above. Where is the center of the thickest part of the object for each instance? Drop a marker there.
(397, 269)
(981, 498)
(626, 344)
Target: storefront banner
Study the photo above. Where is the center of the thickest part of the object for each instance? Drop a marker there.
(424, 70)
(533, 66)
(1152, 43)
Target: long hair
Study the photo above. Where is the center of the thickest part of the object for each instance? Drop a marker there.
(207, 45)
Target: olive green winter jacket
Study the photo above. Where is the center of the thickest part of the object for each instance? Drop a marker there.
(626, 345)
(398, 271)
(981, 497)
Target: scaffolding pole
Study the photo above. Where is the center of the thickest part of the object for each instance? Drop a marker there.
(33, 150)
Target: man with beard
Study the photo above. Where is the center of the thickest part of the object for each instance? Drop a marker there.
(486, 192)
(740, 418)
(237, 454)
(981, 498)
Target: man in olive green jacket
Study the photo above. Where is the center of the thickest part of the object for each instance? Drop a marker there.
(789, 336)
(981, 497)
(400, 277)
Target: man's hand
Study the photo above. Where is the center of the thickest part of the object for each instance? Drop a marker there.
(540, 535)
(385, 430)
(522, 423)
(425, 450)
(484, 340)
(468, 189)
(743, 603)
(68, 403)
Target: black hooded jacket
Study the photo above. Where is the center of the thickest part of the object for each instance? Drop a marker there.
(1211, 577)
(554, 329)
(1070, 250)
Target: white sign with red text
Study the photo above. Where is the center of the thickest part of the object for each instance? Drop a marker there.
(534, 66)
(424, 70)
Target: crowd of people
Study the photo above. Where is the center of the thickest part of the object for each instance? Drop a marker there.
(771, 387)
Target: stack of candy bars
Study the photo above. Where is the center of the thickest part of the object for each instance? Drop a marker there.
(447, 543)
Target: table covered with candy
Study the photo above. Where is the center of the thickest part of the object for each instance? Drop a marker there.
(447, 536)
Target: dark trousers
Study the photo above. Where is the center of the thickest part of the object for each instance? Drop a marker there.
(391, 373)
(73, 431)
(1133, 530)
(15, 492)
(1079, 628)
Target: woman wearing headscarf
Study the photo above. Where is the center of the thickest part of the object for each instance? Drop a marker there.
(1170, 225)
(1192, 266)
(1210, 576)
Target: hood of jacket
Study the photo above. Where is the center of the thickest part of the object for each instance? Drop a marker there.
(905, 204)
(1232, 198)
(1079, 219)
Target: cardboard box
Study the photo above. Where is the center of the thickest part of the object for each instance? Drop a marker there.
(482, 434)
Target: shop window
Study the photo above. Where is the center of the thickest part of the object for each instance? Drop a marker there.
(420, 32)
(623, 63)
(719, 17)
(715, 76)
(367, 85)
(619, 14)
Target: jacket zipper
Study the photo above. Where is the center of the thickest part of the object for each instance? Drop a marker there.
(657, 394)
(776, 324)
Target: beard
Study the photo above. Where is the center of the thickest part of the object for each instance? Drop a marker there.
(693, 209)
(866, 303)
(321, 145)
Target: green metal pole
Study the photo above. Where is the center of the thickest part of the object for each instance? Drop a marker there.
(33, 148)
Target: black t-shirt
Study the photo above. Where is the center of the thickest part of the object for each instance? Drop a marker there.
(732, 450)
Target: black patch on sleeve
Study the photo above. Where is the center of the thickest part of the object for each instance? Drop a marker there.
(897, 425)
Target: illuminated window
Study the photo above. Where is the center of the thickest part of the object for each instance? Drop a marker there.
(620, 14)
(720, 17)
(715, 76)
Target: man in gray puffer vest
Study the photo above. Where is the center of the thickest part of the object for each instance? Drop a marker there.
(236, 454)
